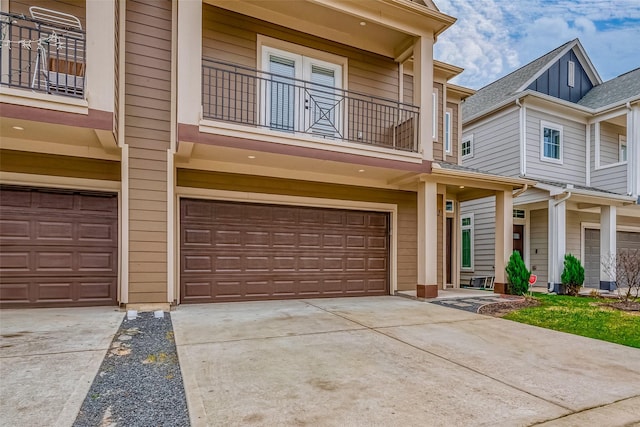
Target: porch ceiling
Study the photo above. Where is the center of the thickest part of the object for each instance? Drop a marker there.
(42, 137)
(384, 27)
(235, 160)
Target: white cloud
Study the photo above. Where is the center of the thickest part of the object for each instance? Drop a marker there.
(494, 37)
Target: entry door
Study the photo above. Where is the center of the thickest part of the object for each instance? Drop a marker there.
(449, 247)
(518, 239)
(302, 94)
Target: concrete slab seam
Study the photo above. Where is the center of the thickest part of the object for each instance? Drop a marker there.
(585, 410)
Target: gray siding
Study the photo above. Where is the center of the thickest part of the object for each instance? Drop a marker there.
(484, 224)
(532, 195)
(539, 238)
(609, 140)
(572, 169)
(613, 178)
(496, 144)
(147, 132)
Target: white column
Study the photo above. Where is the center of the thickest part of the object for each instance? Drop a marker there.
(100, 55)
(427, 234)
(608, 244)
(423, 91)
(633, 150)
(557, 241)
(504, 234)
(189, 61)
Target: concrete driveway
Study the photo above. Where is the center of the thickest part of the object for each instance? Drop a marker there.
(48, 359)
(394, 361)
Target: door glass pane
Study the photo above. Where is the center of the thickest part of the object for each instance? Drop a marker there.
(466, 248)
(282, 93)
(322, 103)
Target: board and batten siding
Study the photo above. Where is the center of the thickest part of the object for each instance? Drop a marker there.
(496, 144)
(232, 37)
(147, 133)
(572, 169)
(484, 229)
(407, 234)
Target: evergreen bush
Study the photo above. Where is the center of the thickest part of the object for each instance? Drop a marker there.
(517, 275)
(572, 275)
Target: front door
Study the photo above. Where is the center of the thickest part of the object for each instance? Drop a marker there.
(518, 239)
(449, 247)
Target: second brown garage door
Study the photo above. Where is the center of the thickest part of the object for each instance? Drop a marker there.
(241, 252)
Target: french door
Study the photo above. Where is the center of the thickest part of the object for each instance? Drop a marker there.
(302, 94)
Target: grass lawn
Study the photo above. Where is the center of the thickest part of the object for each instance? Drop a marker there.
(582, 316)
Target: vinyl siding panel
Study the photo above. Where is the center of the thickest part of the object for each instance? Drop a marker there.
(484, 224)
(50, 164)
(231, 37)
(406, 201)
(147, 132)
(572, 169)
(454, 157)
(539, 237)
(496, 144)
(612, 178)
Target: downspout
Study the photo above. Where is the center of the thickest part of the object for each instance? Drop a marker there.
(522, 117)
(564, 199)
(522, 190)
(553, 249)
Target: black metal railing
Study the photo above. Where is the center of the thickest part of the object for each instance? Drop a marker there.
(42, 57)
(237, 94)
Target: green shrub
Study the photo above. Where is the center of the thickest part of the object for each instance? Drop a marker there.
(572, 275)
(517, 275)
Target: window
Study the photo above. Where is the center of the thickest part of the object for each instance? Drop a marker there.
(571, 78)
(449, 207)
(467, 147)
(551, 142)
(622, 147)
(447, 131)
(301, 93)
(466, 226)
(518, 213)
(434, 129)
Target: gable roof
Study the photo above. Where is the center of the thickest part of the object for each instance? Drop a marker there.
(495, 93)
(615, 90)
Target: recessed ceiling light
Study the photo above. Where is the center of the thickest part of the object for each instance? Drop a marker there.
(363, 23)
(18, 127)
(251, 157)
(360, 170)
(462, 186)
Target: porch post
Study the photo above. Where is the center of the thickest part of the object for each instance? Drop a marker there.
(427, 286)
(608, 245)
(504, 238)
(557, 242)
(189, 61)
(422, 92)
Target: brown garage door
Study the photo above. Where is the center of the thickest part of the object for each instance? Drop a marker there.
(240, 252)
(58, 248)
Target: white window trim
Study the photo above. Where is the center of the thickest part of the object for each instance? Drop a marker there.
(466, 138)
(453, 206)
(559, 128)
(472, 229)
(622, 141)
(434, 125)
(448, 128)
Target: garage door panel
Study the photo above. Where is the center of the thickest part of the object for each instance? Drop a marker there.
(253, 251)
(58, 248)
(624, 240)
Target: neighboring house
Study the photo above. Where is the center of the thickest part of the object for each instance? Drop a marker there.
(556, 122)
(164, 152)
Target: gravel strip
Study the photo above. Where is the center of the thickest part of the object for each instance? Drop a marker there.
(139, 382)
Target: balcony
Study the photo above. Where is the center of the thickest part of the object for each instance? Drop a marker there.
(43, 53)
(250, 97)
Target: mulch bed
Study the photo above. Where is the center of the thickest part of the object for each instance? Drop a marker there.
(500, 309)
(625, 305)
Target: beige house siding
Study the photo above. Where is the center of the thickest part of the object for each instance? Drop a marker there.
(231, 37)
(147, 132)
(50, 164)
(438, 144)
(455, 136)
(406, 201)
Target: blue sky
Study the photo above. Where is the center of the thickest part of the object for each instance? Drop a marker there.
(494, 37)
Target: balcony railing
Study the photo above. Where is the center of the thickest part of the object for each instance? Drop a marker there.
(237, 94)
(41, 56)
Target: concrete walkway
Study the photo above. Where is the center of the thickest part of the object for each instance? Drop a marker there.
(48, 359)
(394, 361)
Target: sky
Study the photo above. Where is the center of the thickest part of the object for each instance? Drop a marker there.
(492, 38)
